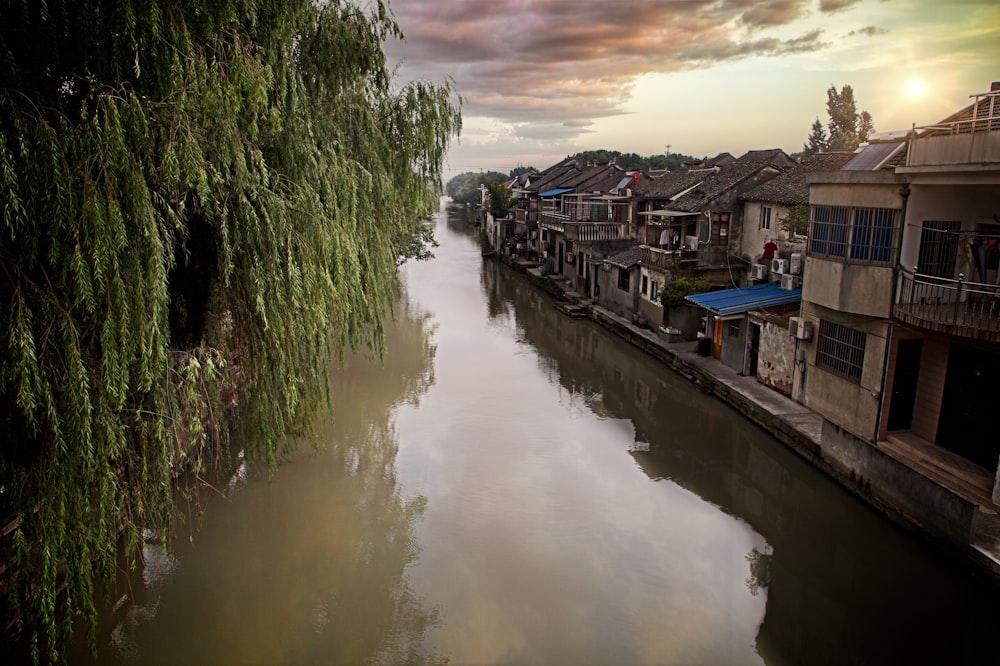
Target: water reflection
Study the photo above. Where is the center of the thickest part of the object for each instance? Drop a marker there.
(309, 564)
(842, 585)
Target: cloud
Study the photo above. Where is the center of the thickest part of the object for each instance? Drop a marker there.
(569, 62)
(869, 31)
(830, 6)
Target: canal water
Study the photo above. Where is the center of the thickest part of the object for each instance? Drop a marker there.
(513, 486)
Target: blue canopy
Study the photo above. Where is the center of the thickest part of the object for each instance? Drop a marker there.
(744, 299)
(556, 192)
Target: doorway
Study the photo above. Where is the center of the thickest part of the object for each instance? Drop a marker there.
(967, 424)
(904, 384)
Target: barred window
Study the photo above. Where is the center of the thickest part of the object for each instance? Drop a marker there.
(828, 235)
(841, 350)
(858, 234)
(872, 236)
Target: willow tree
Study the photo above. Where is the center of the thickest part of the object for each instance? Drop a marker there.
(200, 202)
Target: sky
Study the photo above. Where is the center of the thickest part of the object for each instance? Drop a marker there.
(543, 79)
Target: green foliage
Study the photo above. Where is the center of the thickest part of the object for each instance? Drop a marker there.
(797, 220)
(464, 188)
(200, 203)
(673, 292)
(817, 141)
(500, 199)
(847, 128)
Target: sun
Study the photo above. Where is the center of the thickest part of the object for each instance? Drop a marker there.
(915, 89)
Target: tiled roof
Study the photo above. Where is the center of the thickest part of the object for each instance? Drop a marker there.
(773, 157)
(716, 185)
(791, 188)
(671, 183)
(627, 258)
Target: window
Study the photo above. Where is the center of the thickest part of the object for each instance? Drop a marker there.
(863, 235)
(645, 284)
(841, 350)
(871, 239)
(623, 279)
(938, 249)
(654, 290)
(765, 217)
(734, 328)
(720, 228)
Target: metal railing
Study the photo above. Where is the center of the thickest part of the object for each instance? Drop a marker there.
(959, 307)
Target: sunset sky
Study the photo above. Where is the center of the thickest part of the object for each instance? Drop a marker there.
(543, 79)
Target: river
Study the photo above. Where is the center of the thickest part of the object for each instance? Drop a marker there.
(513, 486)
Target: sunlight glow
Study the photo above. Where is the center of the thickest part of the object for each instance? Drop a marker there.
(915, 89)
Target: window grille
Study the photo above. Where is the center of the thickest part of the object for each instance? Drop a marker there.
(841, 350)
(765, 217)
(860, 235)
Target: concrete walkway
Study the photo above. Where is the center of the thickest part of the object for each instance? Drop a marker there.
(800, 428)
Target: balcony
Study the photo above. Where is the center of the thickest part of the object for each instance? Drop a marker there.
(953, 307)
(583, 230)
(970, 140)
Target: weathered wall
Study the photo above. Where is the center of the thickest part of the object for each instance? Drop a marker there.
(734, 342)
(897, 489)
(776, 357)
(853, 406)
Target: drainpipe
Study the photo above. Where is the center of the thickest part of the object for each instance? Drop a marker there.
(904, 192)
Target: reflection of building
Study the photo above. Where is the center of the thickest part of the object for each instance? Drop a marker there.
(901, 288)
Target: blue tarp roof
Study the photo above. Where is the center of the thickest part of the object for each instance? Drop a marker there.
(735, 301)
(556, 192)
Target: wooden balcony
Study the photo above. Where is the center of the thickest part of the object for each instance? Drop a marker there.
(953, 307)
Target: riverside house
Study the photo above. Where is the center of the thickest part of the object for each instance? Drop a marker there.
(903, 300)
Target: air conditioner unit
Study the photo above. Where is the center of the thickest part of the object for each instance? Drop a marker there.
(795, 264)
(779, 266)
(757, 271)
(691, 242)
(570, 258)
(793, 325)
(804, 330)
(787, 281)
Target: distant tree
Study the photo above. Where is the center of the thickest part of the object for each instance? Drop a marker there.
(634, 161)
(797, 220)
(817, 141)
(866, 126)
(517, 171)
(501, 199)
(847, 127)
(464, 188)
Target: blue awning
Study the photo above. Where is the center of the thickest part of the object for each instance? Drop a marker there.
(556, 192)
(735, 301)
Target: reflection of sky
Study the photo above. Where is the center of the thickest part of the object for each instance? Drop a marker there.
(542, 539)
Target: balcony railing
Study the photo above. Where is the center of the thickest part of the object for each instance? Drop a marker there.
(955, 307)
(582, 230)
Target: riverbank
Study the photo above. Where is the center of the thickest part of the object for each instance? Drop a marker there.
(925, 489)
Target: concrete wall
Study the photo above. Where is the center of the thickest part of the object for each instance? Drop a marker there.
(734, 343)
(852, 406)
(898, 490)
(856, 288)
(955, 149)
(754, 238)
(617, 300)
(776, 357)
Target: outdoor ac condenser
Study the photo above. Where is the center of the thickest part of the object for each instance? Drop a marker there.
(779, 266)
(757, 271)
(787, 281)
(795, 263)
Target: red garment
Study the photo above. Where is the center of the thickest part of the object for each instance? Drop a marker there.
(769, 250)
